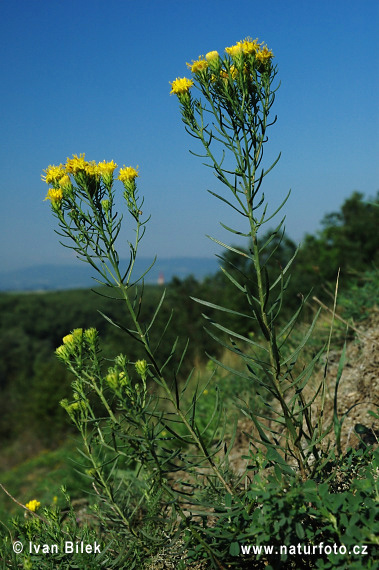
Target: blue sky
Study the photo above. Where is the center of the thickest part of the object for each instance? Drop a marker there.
(93, 76)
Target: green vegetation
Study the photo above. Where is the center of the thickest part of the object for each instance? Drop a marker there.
(32, 381)
(196, 452)
(39, 451)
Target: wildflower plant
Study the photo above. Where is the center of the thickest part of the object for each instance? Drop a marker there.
(227, 107)
(159, 473)
(130, 414)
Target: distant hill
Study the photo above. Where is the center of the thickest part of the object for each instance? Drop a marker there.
(54, 277)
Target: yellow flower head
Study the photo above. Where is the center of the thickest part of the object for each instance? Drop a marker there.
(55, 195)
(68, 339)
(249, 46)
(75, 336)
(234, 51)
(233, 72)
(264, 55)
(33, 505)
(76, 163)
(53, 174)
(199, 65)
(90, 168)
(180, 85)
(127, 174)
(212, 56)
(65, 182)
(106, 168)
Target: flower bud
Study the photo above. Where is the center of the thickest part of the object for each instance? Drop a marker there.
(141, 368)
(105, 204)
(213, 60)
(90, 335)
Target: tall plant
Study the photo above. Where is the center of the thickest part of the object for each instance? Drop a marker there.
(137, 424)
(226, 105)
(154, 467)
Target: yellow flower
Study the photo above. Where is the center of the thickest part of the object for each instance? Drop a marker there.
(234, 50)
(73, 337)
(65, 182)
(180, 85)
(33, 505)
(106, 168)
(55, 195)
(128, 174)
(199, 65)
(90, 168)
(232, 72)
(68, 339)
(62, 352)
(212, 56)
(75, 164)
(214, 62)
(249, 46)
(53, 174)
(264, 54)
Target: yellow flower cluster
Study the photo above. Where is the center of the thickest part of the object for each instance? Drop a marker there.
(180, 85)
(199, 65)
(54, 174)
(33, 505)
(106, 168)
(246, 46)
(128, 174)
(55, 195)
(70, 344)
(232, 72)
(60, 174)
(77, 166)
(75, 336)
(212, 56)
(264, 54)
(213, 67)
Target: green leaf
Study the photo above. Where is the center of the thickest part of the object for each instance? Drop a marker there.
(220, 308)
(234, 549)
(229, 247)
(299, 530)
